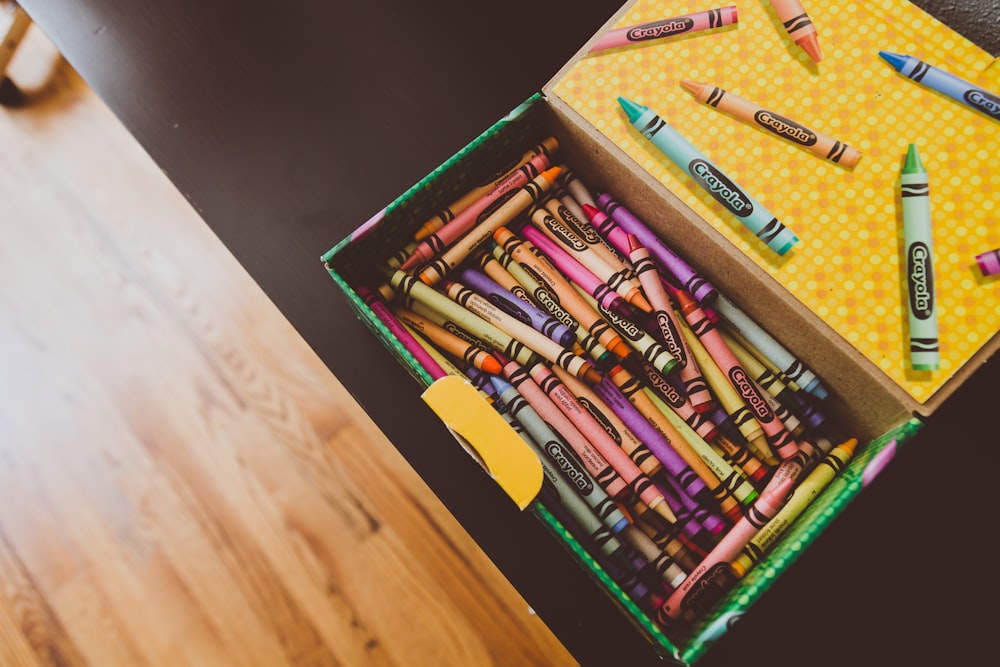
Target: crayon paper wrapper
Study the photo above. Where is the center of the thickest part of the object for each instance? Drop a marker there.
(848, 266)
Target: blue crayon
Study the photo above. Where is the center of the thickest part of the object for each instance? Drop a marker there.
(510, 303)
(945, 83)
(706, 174)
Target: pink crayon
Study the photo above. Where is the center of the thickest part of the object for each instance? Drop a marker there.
(578, 273)
(436, 243)
(714, 575)
(778, 436)
(989, 262)
(677, 25)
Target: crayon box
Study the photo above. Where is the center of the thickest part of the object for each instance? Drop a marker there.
(847, 220)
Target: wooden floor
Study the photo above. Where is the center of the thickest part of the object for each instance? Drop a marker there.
(182, 481)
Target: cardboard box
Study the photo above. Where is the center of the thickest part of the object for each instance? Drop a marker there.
(882, 409)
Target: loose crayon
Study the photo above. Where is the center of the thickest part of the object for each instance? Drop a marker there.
(440, 309)
(629, 223)
(677, 25)
(798, 25)
(802, 496)
(710, 177)
(471, 353)
(521, 308)
(403, 335)
(595, 463)
(919, 247)
(989, 262)
(436, 243)
(714, 575)
(780, 126)
(595, 433)
(945, 83)
(576, 272)
(547, 147)
(531, 338)
(558, 286)
(539, 295)
(526, 195)
(790, 369)
(616, 276)
(779, 438)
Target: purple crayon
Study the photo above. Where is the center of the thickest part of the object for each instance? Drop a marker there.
(693, 282)
(989, 262)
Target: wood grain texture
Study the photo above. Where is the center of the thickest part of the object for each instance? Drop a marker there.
(183, 481)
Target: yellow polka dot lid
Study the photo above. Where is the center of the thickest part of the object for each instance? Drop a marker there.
(849, 266)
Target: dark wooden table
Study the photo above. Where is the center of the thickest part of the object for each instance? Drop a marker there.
(288, 124)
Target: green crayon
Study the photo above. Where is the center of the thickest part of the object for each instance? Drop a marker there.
(919, 247)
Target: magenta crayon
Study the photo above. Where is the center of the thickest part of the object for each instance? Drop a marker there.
(989, 262)
(515, 205)
(616, 276)
(685, 24)
(406, 339)
(714, 575)
(547, 147)
(578, 273)
(643, 487)
(693, 282)
(522, 309)
(531, 338)
(436, 243)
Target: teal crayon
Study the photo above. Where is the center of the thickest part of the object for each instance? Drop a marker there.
(764, 225)
(919, 247)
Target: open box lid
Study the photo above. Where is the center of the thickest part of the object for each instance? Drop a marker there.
(845, 273)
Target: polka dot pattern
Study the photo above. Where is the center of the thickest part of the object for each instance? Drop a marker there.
(847, 267)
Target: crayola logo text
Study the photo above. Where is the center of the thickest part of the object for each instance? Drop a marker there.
(662, 29)
(920, 276)
(983, 101)
(720, 187)
(785, 128)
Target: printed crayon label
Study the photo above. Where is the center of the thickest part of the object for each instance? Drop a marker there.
(659, 29)
(720, 187)
(784, 127)
(985, 102)
(569, 466)
(750, 395)
(670, 336)
(601, 419)
(709, 588)
(511, 309)
(565, 235)
(920, 276)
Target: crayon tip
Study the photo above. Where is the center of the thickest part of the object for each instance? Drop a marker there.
(850, 445)
(810, 45)
(634, 243)
(551, 174)
(663, 510)
(913, 164)
(692, 86)
(896, 60)
(619, 348)
(632, 109)
(592, 376)
(492, 366)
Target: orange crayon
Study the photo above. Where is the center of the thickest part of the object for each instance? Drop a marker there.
(752, 114)
(798, 25)
(468, 351)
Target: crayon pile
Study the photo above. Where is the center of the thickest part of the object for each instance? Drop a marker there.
(677, 437)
